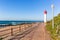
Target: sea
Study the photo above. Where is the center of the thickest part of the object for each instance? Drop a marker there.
(14, 22)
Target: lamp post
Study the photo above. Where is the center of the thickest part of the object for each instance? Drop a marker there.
(52, 6)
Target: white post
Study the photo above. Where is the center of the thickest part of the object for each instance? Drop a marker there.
(45, 20)
(45, 17)
(52, 6)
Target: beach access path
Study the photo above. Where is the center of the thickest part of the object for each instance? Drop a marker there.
(39, 33)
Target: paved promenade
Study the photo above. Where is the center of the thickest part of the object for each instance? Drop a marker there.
(39, 33)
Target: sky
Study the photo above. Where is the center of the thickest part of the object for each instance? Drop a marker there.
(27, 9)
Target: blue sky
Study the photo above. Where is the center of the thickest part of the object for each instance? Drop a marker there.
(27, 9)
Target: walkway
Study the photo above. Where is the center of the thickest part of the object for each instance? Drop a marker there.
(39, 33)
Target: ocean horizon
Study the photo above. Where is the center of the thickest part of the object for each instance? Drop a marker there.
(15, 22)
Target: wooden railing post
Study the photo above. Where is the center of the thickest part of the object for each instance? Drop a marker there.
(19, 28)
(25, 27)
(11, 31)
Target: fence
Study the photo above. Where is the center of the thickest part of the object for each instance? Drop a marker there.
(13, 30)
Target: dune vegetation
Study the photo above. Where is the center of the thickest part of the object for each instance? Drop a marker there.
(54, 32)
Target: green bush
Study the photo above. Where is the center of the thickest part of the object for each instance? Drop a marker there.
(53, 33)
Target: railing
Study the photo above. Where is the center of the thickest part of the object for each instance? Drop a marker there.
(13, 30)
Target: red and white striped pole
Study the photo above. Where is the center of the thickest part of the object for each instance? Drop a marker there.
(45, 20)
(45, 17)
